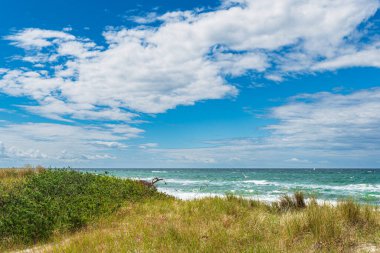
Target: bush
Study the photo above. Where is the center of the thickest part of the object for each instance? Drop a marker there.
(61, 200)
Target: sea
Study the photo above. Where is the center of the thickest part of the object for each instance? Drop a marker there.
(327, 185)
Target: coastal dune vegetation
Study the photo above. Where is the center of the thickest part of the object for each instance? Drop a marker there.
(67, 211)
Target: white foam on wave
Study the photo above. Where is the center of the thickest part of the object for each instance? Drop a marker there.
(159, 171)
(348, 187)
(177, 181)
(139, 178)
(188, 195)
(264, 198)
(249, 186)
(259, 182)
(186, 181)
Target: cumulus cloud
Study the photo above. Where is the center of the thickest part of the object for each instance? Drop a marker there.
(185, 58)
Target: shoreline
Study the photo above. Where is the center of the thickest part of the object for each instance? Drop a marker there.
(188, 196)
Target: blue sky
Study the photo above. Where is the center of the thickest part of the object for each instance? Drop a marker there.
(252, 83)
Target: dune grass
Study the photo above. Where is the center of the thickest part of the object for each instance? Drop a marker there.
(157, 223)
(227, 225)
(11, 176)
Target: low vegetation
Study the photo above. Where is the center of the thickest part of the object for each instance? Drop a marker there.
(105, 214)
(11, 176)
(52, 201)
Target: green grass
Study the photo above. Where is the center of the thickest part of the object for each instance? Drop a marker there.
(124, 216)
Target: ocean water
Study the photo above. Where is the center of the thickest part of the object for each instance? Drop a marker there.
(330, 185)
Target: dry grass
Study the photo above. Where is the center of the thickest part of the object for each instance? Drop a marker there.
(11, 176)
(7, 173)
(226, 225)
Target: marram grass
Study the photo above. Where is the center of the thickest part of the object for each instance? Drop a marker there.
(156, 223)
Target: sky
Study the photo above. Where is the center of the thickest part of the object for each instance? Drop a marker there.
(208, 84)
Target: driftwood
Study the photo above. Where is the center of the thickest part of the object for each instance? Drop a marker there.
(151, 184)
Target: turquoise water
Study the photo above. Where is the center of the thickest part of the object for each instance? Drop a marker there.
(265, 184)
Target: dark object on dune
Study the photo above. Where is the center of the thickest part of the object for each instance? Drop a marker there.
(151, 184)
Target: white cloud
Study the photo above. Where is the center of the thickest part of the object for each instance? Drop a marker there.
(297, 160)
(275, 78)
(14, 152)
(28, 154)
(148, 145)
(110, 144)
(60, 142)
(185, 58)
(329, 121)
(321, 129)
(38, 38)
(149, 17)
(2, 150)
(74, 157)
(124, 130)
(325, 129)
(57, 109)
(367, 57)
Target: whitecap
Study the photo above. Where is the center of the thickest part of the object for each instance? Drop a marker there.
(260, 182)
(186, 181)
(188, 195)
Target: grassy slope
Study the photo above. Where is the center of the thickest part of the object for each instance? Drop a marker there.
(159, 224)
(226, 225)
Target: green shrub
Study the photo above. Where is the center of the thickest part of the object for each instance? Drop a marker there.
(61, 200)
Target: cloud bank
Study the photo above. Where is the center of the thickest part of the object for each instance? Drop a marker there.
(321, 129)
(185, 58)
